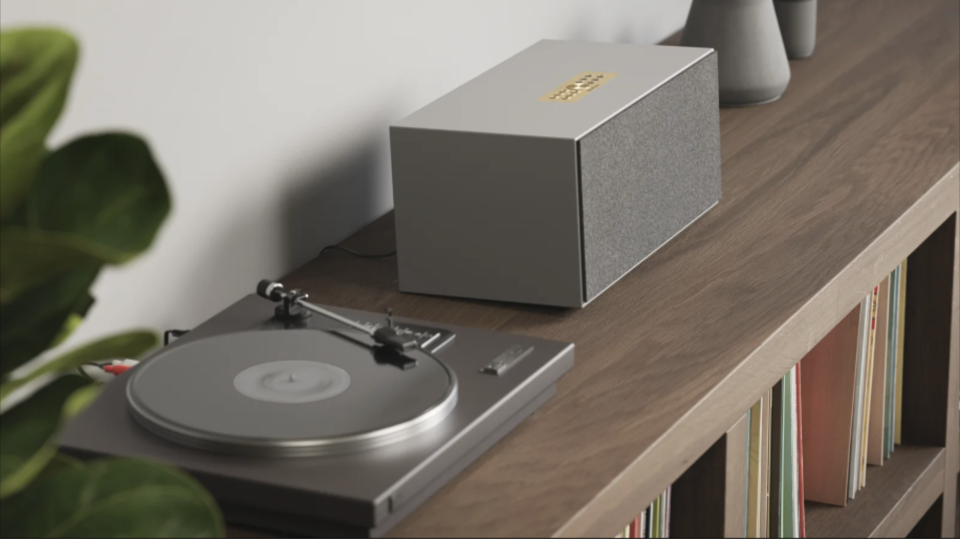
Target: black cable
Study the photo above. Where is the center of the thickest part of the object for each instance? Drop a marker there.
(355, 253)
(173, 333)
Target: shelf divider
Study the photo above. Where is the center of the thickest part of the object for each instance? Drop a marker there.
(897, 495)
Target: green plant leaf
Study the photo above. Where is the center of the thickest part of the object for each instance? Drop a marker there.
(69, 326)
(80, 399)
(99, 199)
(128, 345)
(59, 463)
(28, 431)
(28, 258)
(105, 192)
(36, 65)
(35, 319)
(113, 498)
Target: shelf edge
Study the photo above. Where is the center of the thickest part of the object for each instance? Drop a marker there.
(648, 474)
(914, 502)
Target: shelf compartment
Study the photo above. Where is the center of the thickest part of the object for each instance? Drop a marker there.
(897, 495)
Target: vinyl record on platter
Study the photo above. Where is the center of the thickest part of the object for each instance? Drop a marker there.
(300, 392)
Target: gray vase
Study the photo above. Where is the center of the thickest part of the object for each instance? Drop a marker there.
(752, 60)
(798, 25)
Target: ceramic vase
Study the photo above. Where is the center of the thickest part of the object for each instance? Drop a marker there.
(798, 25)
(752, 60)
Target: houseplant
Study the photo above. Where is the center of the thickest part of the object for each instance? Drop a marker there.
(64, 214)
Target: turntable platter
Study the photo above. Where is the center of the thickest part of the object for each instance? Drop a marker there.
(285, 393)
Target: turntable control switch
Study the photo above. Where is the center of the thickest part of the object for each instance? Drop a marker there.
(510, 357)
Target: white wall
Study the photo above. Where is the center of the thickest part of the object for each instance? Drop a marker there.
(269, 118)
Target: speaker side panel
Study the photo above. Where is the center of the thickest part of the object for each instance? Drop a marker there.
(648, 173)
(487, 216)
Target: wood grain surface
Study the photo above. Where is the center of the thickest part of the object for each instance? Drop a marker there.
(824, 192)
(929, 525)
(897, 495)
(929, 360)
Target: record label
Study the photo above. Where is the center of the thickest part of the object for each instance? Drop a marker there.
(292, 382)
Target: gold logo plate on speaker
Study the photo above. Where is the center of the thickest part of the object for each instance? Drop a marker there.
(576, 88)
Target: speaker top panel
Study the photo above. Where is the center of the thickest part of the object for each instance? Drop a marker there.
(556, 89)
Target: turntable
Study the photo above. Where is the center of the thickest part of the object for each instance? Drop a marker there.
(320, 421)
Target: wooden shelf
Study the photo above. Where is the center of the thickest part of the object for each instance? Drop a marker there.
(824, 192)
(896, 496)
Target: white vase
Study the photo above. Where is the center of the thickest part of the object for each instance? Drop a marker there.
(798, 25)
(752, 60)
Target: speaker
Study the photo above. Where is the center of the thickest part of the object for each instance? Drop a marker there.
(547, 178)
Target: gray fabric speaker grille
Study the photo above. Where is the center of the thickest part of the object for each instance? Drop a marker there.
(648, 173)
